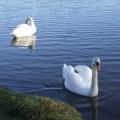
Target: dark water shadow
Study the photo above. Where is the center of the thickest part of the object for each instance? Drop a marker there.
(87, 106)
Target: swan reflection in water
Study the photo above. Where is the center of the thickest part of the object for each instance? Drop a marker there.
(29, 42)
(94, 107)
(84, 105)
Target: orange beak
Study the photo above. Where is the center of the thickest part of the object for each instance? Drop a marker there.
(98, 67)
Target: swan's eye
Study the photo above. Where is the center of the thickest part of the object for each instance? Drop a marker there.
(28, 21)
(97, 63)
(98, 66)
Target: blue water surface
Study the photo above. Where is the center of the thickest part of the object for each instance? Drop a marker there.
(68, 31)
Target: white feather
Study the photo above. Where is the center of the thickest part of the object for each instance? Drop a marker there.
(23, 30)
(79, 79)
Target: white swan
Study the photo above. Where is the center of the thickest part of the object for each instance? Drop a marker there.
(23, 30)
(81, 79)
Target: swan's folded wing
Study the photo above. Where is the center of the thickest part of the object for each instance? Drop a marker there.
(21, 25)
(22, 30)
(70, 76)
(85, 72)
(74, 82)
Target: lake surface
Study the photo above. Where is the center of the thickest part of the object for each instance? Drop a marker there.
(68, 31)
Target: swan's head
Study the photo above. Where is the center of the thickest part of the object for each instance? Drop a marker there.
(29, 21)
(96, 63)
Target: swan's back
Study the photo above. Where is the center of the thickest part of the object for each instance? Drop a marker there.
(77, 79)
(23, 30)
(85, 72)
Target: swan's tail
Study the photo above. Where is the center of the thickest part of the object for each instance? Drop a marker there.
(64, 66)
(13, 33)
(64, 70)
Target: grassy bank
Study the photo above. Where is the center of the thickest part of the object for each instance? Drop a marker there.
(14, 106)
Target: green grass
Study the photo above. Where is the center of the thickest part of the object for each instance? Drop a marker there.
(14, 106)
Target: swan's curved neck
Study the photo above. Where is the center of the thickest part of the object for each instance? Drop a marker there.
(94, 85)
(32, 23)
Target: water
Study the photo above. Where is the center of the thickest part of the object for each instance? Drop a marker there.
(68, 31)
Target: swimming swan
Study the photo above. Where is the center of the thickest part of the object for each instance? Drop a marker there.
(23, 30)
(81, 79)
